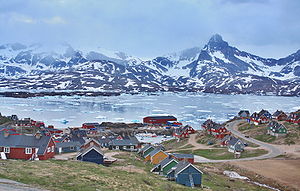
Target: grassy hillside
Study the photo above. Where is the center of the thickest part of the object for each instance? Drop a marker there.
(129, 173)
(223, 154)
(4, 120)
(259, 132)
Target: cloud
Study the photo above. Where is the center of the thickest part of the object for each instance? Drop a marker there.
(155, 27)
(21, 18)
(54, 20)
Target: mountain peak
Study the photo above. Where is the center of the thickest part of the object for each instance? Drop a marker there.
(216, 38)
(216, 42)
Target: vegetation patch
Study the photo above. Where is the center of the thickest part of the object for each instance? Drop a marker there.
(223, 154)
(4, 120)
(174, 143)
(206, 139)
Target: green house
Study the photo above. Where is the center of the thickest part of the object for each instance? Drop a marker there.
(276, 129)
(164, 166)
(147, 151)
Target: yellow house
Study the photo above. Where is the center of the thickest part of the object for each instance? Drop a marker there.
(156, 156)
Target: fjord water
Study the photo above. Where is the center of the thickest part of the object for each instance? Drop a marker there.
(190, 108)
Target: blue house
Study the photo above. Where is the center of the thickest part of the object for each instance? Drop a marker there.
(186, 174)
(67, 147)
(91, 154)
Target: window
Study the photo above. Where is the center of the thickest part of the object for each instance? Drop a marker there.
(28, 150)
(132, 147)
(6, 150)
(49, 150)
(117, 147)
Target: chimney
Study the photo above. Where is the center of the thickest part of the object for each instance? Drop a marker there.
(38, 135)
(6, 134)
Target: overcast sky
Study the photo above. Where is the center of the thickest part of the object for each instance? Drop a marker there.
(147, 28)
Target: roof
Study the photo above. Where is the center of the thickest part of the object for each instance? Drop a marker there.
(226, 138)
(156, 150)
(186, 156)
(233, 141)
(126, 142)
(68, 144)
(92, 147)
(244, 111)
(25, 141)
(275, 126)
(277, 113)
(164, 162)
(162, 117)
(146, 147)
(183, 165)
(91, 124)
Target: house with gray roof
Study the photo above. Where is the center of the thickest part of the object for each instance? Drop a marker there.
(26, 147)
(186, 174)
(129, 144)
(91, 154)
(235, 145)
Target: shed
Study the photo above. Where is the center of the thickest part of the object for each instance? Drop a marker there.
(91, 154)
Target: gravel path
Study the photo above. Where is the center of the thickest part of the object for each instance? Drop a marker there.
(232, 126)
(10, 185)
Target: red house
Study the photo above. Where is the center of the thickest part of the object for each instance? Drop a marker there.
(158, 120)
(183, 157)
(294, 117)
(184, 132)
(218, 131)
(89, 143)
(208, 124)
(26, 147)
(90, 125)
(280, 116)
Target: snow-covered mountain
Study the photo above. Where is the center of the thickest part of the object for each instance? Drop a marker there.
(216, 68)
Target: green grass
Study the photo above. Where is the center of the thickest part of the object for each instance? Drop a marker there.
(81, 176)
(244, 127)
(4, 120)
(187, 146)
(174, 144)
(205, 138)
(265, 138)
(223, 154)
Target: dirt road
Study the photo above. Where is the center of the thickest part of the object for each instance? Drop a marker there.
(10, 185)
(286, 172)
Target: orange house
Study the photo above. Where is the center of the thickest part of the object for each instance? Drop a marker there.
(156, 156)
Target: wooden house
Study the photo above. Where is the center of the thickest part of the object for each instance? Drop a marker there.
(89, 143)
(225, 140)
(158, 120)
(235, 145)
(262, 117)
(91, 154)
(164, 166)
(183, 157)
(276, 129)
(156, 156)
(91, 126)
(244, 114)
(129, 144)
(279, 115)
(146, 150)
(208, 124)
(67, 147)
(27, 147)
(184, 132)
(186, 174)
(294, 117)
(218, 131)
